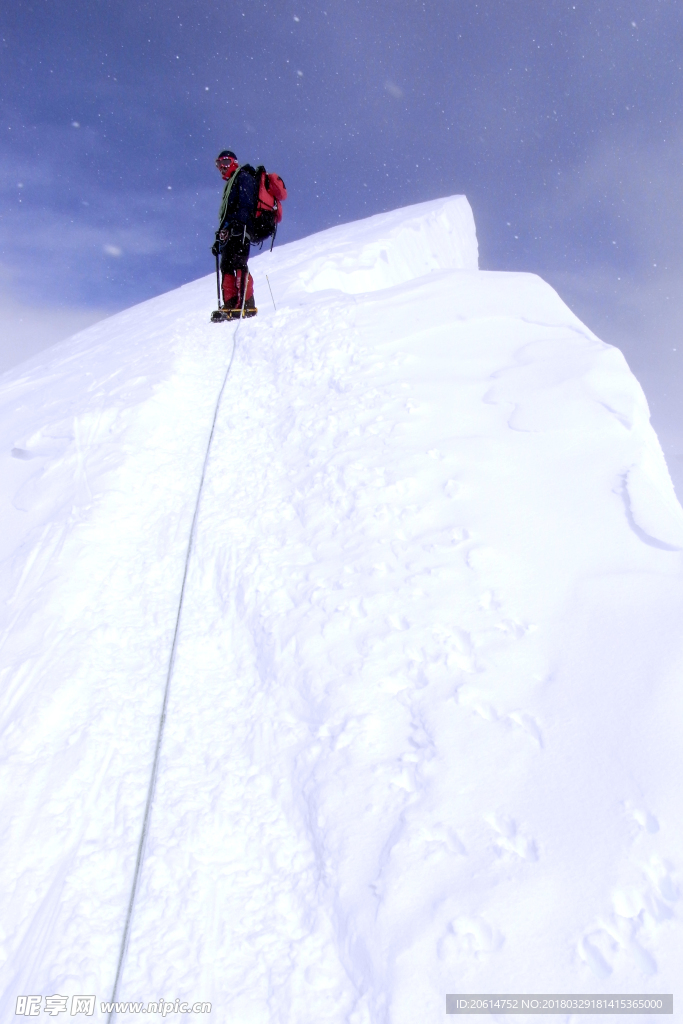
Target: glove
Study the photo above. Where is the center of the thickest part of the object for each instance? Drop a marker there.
(221, 237)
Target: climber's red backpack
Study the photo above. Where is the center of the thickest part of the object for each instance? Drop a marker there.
(271, 194)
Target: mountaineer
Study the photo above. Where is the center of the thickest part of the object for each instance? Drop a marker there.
(250, 212)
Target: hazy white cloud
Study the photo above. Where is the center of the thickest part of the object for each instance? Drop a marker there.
(626, 197)
(26, 330)
(393, 89)
(630, 186)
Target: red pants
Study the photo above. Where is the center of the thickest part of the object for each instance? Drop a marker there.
(232, 287)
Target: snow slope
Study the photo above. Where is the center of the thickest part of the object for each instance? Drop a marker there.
(423, 731)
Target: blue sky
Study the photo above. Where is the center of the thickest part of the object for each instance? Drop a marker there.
(560, 121)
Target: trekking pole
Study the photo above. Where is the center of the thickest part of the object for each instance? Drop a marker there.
(271, 293)
(218, 283)
(244, 293)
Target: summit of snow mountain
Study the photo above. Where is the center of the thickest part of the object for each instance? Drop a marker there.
(422, 732)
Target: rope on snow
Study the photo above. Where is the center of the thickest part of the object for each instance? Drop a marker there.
(162, 719)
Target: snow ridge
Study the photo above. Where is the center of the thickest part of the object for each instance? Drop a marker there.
(421, 733)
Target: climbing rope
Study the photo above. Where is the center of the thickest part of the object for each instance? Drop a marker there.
(162, 720)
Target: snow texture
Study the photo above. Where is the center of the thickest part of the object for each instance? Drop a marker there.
(423, 733)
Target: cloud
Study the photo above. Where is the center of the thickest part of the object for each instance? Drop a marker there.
(626, 192)
(103, 248)
(624, 198)
(617, 221)
(26, 330)
(393, 89)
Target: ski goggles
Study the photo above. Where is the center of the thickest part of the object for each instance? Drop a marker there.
(226, 163)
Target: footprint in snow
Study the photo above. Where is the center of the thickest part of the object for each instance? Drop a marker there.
(643, 818)
(636, 908)
(488, 601)
(469, 937)
(514, 720)
(600, 949)
(453, 489)
(512, 839)
(527, 723)
(596, 950)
